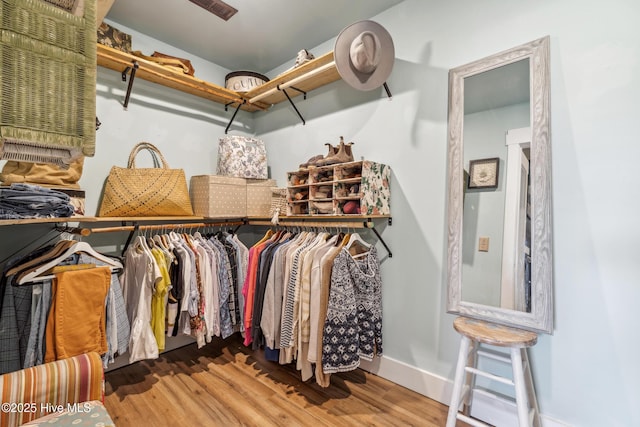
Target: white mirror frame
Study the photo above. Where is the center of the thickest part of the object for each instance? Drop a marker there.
(540, 319)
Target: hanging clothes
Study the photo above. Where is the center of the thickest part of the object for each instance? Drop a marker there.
(176, 292)
(140, 275)
(77, 316)
(353, 326)
(264, 267)
(304, 364)
(323, 378)
(271, 312)
(290, 303)
(159, 298)
(248, 289)
(242, 252)
(290, 296)
(226, 288)
(26, 307)
(190, 284)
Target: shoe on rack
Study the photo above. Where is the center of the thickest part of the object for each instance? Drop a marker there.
(349, 151)
(315, 159)
(311, 161)
(343, 155)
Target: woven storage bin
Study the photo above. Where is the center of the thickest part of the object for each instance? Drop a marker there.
(218, 196)
(113, 37)
(259, 196)
(278, 201)
(72, 6)
(47, 82)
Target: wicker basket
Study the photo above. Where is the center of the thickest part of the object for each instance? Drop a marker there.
(47, 81)
(69, 5)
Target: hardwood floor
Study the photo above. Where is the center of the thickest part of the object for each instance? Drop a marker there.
(227, 384)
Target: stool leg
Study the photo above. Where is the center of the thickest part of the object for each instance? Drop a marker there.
(458, 382)
(521, 392)
(470, 378)
(531, 391)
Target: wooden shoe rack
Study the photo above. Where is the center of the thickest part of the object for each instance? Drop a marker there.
(354, 188)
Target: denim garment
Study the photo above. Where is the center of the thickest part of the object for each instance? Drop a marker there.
(40, 314)
(35, 345)
(15, 316)
(32, 201)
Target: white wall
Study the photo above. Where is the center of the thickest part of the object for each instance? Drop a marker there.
(586, 373)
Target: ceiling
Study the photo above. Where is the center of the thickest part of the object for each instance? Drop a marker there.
(260, 37)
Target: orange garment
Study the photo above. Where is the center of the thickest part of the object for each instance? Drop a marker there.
(249, 287)
(77, 317)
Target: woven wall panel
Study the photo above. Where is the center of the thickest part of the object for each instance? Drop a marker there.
(48, 81)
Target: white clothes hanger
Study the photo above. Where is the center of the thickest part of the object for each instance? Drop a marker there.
(165, 247)
(355, 238)
(159, 242)
(175, 237)
(35, 275)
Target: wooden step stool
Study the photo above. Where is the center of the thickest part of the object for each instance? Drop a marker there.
(474, 333)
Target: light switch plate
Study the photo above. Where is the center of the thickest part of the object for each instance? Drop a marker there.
(483, 244)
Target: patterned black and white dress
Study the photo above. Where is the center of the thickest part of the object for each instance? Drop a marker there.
(353, 326)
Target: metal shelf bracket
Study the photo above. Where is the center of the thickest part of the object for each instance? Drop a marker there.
(294, 105)
(240, 104)
(132, 71)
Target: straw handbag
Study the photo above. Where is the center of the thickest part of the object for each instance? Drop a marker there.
(158, 191)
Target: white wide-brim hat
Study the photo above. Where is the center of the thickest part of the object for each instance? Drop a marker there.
(364, 55)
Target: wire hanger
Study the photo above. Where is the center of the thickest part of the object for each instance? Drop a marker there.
(35, 275)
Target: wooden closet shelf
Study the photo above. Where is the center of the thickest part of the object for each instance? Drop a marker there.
(168, 219)
(321, 71)
(174, 219)
(311, 75)
(117, 60)
(8, 222)
(101, 219)
(328, 217)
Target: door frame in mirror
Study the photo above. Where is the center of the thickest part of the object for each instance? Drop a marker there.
(540, 319)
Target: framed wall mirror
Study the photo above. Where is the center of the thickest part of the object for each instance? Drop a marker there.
(499, 198)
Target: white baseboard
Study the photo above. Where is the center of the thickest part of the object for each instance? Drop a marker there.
(486, 407)
(171, 343)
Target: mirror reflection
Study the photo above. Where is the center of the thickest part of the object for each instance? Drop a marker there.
(496, 105)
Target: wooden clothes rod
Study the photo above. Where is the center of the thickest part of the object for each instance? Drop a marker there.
(293, 81)
(74, 230)
(165, 226)
(326, 224)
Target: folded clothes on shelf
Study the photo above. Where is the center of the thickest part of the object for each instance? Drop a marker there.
(20, 201)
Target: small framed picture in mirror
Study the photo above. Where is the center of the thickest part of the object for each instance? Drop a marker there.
(483, 173)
